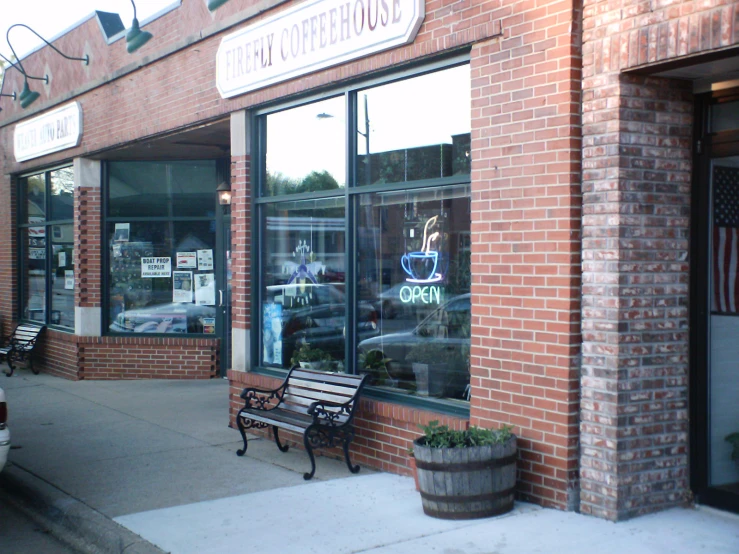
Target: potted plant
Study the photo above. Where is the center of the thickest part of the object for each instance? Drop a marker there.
(733, 439)
(310, 358)
(465, 474)
(431, 363)
(374, 363)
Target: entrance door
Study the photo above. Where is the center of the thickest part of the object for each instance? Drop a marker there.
(715, 338)
(223, 301)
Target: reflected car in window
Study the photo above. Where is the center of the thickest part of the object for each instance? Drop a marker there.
(444, 334)
(314, 314)
(174, 317)
(4, 431)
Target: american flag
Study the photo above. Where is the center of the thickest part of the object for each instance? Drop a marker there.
(726, 240)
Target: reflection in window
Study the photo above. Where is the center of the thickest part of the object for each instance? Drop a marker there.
(415, 129)
(304, 294)
(161, 270)
(47, 245)
(414, 267)
(305, 149)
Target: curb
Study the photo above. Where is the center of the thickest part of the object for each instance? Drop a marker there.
(68, 519)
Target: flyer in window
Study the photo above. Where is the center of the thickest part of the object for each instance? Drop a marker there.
(69, 279)
(209, 325)
(186, 260)
(205, 289)
(272, 333)
(62, 259)
(205, 260)
(122, 232)
(182, 286)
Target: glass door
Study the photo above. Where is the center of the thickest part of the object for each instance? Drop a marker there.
(715, 306)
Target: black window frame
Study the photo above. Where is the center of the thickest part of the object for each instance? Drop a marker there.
(351, 193)
(23, 246)
(107, 221)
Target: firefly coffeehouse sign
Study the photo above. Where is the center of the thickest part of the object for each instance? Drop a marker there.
(53, 131)
(310, 36)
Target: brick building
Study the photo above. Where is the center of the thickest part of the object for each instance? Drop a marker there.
(542, 196)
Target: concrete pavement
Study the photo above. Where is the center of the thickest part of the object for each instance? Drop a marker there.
(150, 466)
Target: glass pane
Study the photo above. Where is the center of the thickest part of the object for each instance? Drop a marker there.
(724, 327)
(138, 189)
(62, 194)
(62, 275)
(415, 129)
(724, 117)
(34, 190)
(162, 277)
(194, 188)
(306, 149)
(33, 273)
(304, 297)
(414, 267)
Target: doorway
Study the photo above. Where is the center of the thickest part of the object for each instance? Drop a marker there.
(715, 305)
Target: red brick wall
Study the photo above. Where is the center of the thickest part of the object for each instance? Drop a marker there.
(88, 247)
(526, 243)
(57, 354)
(241, 242)
(636, 182)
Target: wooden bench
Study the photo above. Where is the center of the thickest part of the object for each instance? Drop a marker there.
(20, 344)
(316, 404)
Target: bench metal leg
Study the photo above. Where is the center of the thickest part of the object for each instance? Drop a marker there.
(347, 440)
(240, 425)
(10, 366)
(309, 450)
(283, 448)
(33, 368)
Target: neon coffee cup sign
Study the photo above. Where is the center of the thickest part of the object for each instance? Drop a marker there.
(422, 268)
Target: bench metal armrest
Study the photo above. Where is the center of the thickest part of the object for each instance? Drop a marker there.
(261, 399)
(323, 416)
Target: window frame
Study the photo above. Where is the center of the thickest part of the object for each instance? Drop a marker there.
(351, 194)
(23, 247)
(107, 221)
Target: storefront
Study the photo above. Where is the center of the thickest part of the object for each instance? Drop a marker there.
(498, 213)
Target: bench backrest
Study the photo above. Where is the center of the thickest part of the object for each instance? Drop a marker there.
(25, 335)
(304, 387)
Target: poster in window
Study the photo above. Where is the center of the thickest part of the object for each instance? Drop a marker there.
(272, 333)
(62, 259)
(205, 260)
(209, 325)
(182, 286)
(122, 232)
(205, 289)
(156, 267)
(69, 279)
(186, 260)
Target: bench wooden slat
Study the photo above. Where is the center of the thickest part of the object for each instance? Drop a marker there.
(21, 344)
(323, 377)
(318, 395)
(338, 389)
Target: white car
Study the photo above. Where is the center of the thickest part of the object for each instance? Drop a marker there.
(4, 431)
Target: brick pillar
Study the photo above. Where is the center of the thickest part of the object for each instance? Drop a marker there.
(636, 185)
(87, 247)
(526, 244)
(8, 254)
(241, 240)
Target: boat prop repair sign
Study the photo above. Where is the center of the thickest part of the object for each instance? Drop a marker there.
(310, 36)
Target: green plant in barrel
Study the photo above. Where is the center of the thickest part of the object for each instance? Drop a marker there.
(465, 473)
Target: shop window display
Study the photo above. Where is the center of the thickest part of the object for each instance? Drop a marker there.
(161, 269)
(47, 248)
(408, 290)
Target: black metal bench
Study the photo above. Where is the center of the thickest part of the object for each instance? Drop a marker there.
(20, 344)
(316, 404)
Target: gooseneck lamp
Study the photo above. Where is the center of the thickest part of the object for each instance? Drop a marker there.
(136, 38)
(2, 84)
(27, 96)
(215, 4)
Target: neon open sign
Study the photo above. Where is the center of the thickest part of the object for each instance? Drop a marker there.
(422, 268)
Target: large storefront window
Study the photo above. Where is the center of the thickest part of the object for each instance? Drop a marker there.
(369, 270)
(47, 244)
(161, 236)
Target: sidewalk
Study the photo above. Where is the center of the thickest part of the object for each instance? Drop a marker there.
(117, 461)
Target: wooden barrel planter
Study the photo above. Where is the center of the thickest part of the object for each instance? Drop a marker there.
(466, 483)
